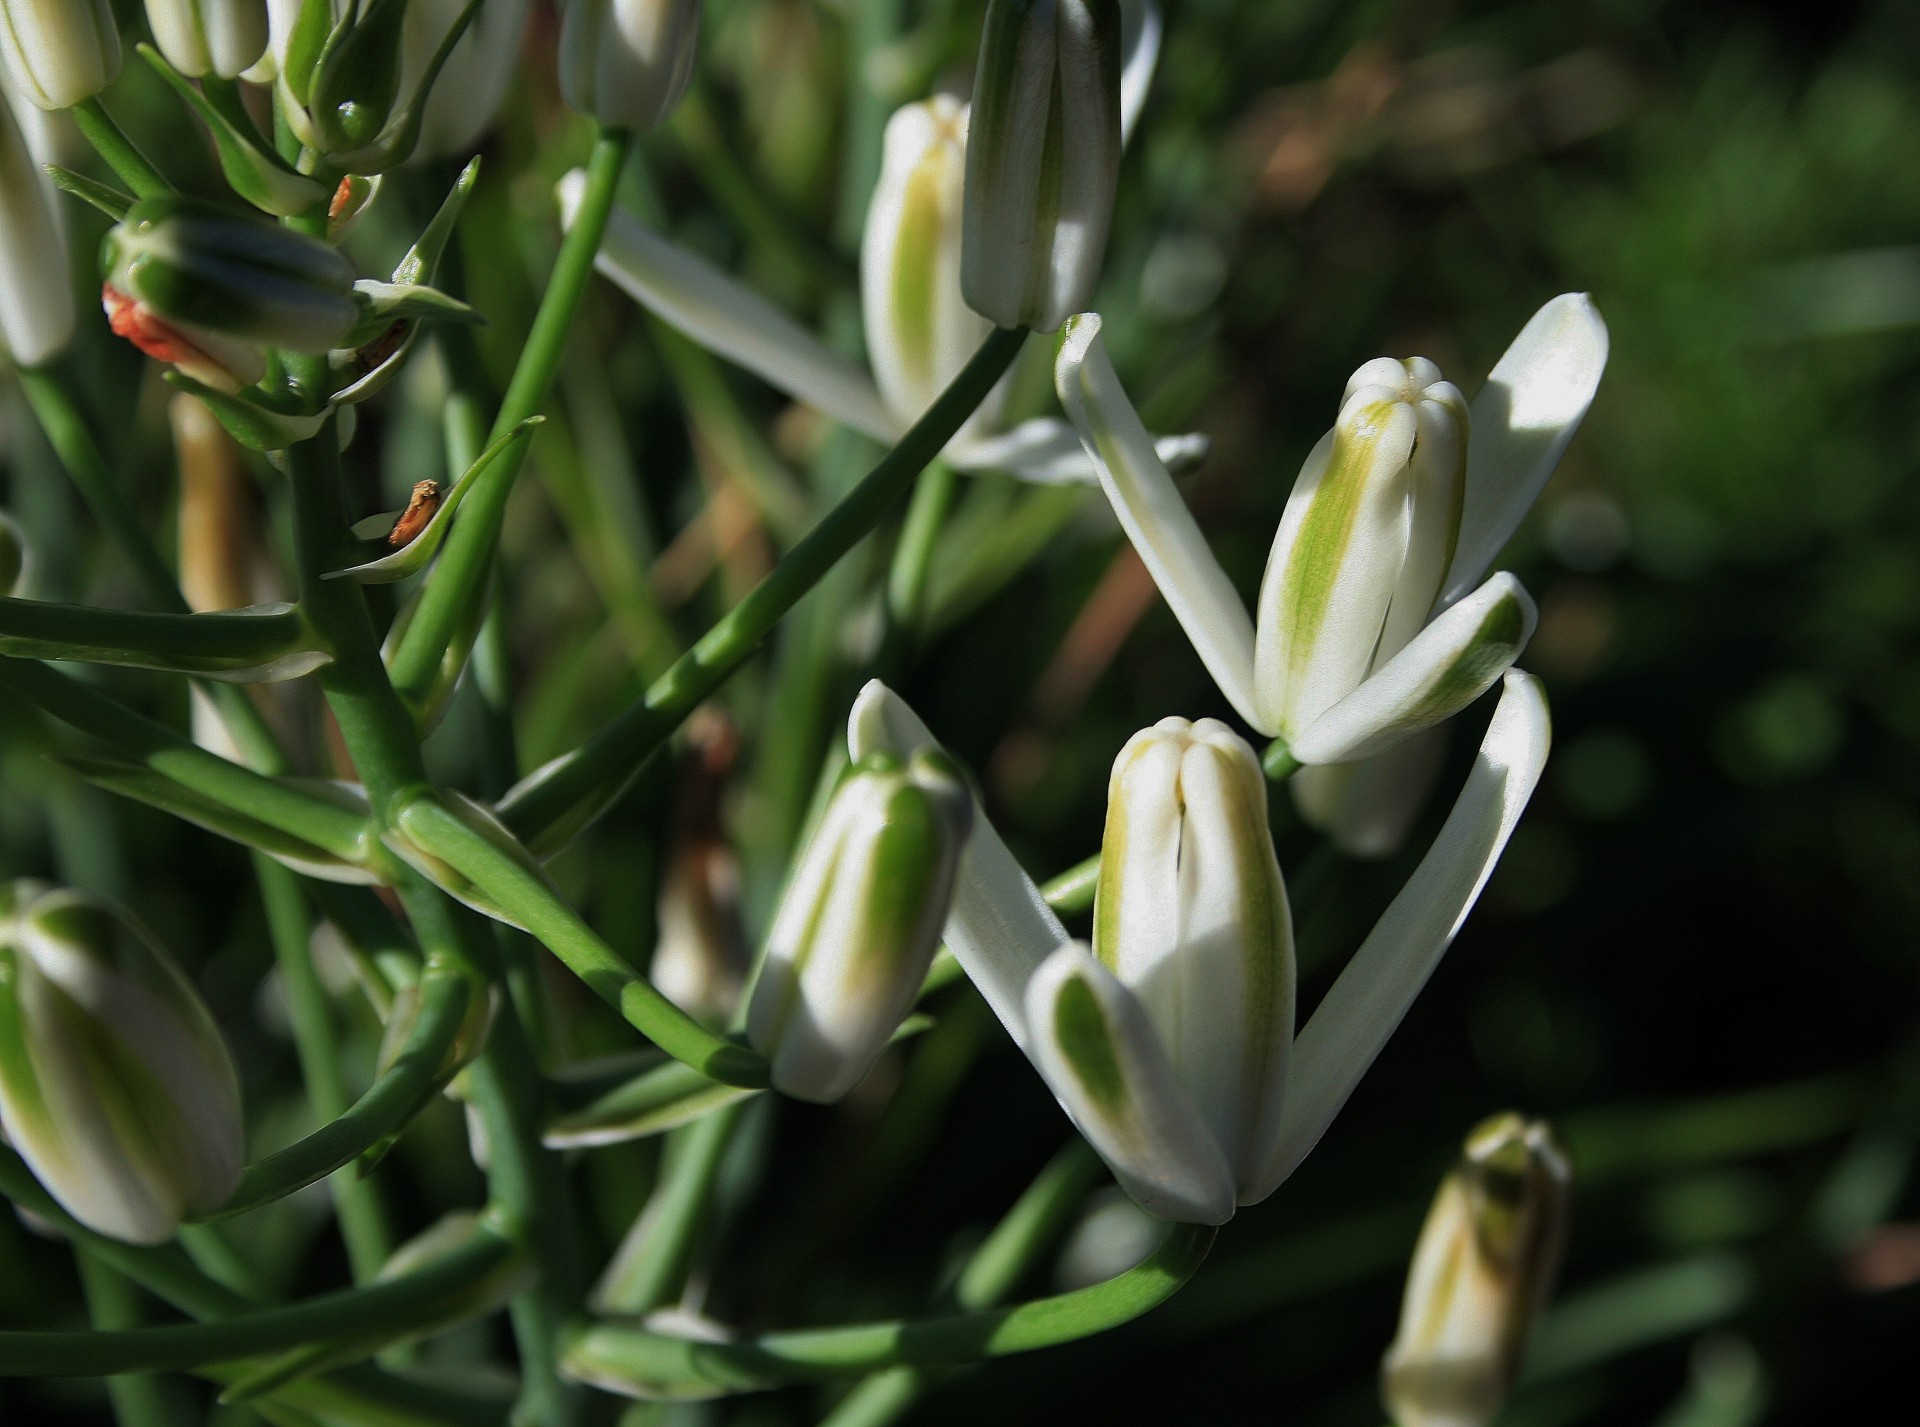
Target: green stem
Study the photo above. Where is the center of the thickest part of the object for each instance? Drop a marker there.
(1278, 762)
(650, 1270)
(913, 560)
(626, 1356)
(547, 808)
(182, 643)
(519, 891)
(111, 1305)
(326, 825)
(467, 556)
(364, 1312)
(123, 156)
(389, 1103)
(1073, 890)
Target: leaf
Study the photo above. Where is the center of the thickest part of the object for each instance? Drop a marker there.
(109, 200)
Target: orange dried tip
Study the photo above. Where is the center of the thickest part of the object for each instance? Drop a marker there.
(421, 506)
(139, 326)
(343, 200)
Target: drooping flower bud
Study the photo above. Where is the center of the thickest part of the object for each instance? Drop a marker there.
(1482, 1270)
(201, 37)
(1043, 158)
(36, 297)
(1192, 917)
(204, 288)
(467, 95)
(627, 62)
(115, 1085)
(920, 331)
(860, 922)
(59, 52)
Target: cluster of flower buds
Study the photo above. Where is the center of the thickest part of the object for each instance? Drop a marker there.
(1375, 622)
(58, 53)
(1481, 1272)
(1170, 1041)
(627, 62)
(115, 1085)
(860, 922)
(36, 299)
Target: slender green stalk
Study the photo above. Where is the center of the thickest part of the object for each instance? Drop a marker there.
(1278, 762)
(630, 1357)
(467, 557)
(369, 1310)
(549, 807)
(122, 155)
(112, 1306)
(521, 893)
(186, 643)
(350, 1131)
(933, 497)
(650, 1270)
(1073, 890)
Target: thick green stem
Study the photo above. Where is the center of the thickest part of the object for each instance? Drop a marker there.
(390, 1306)
(549, 807)
(458, 580)
(122, 155)
(626, 1357)
(183, 643)
(112, 1306)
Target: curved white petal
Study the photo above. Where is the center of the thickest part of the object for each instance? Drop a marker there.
(1098, 1053)
(1140, 31)
(1000, 928)
(1373, 993)
(1154, 516)
(735, 321)
(1521, 422)
(1367, 808)
(1447, 666)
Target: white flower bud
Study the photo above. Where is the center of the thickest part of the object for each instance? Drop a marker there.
(202, 37)
(36, 296)
(627, 62)
(59, 52)
(466, 97)
(115, 1086)
(1192, 917)
(1043, 159)
(859, 923)
(1483, 1268)
(920, 331)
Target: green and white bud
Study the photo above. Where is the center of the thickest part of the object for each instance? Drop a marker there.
(224, 38)
(627, 62)
(920, 331)
(115, 1085)
(221, 279)
(59, 52)
(860, 922)
(1482, 1270)
(1043, 159)
(36, 295)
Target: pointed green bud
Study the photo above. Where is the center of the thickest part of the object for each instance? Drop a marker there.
(1192, 917)
(223, 38)
(115, 1085)
(627, 62)
(1481, 1272)
(207, 272)
(860, 922)
(13, 556)
(59, 52)
(357, 80)
(1043, 158)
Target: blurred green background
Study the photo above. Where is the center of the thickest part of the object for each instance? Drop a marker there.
(1698, 957)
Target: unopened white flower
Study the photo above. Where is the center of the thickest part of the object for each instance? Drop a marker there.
(627, 62)
(36, 297)
(1170, 1046)
(115, 1085)
(1044, 158)
(1374, 622)
(466, 97)
(1481, 1273)
(59, 52)
(860, 922)
(202, 37)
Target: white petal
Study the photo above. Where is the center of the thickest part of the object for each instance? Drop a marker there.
(735, 321)
(1047, 452)
(1448, 665)
(1140, 31)
(1000, 928)
(1522, 420)
(1368, 808)
(1154, 516)
(1099, 1055)
(1371, 996)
